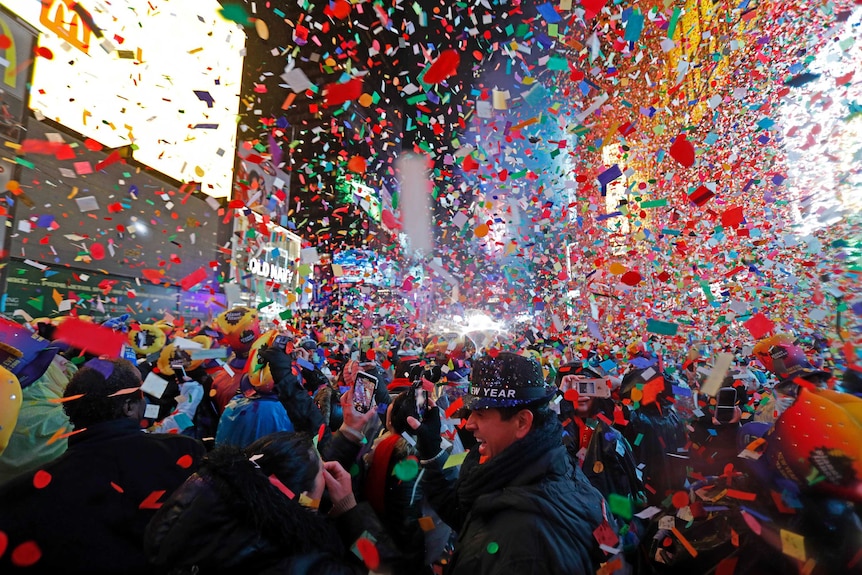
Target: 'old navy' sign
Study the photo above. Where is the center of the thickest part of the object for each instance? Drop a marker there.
(492, 392)
(268, 270)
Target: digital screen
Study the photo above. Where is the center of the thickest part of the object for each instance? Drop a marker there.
(163, 76)
(77, 211)
(363, 266)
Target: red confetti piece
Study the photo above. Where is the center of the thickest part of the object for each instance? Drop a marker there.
(337, 94)
(185, 461)
(44, 52)
(92, 145)
(26, 554)
(444, 66)
(116, 487)
(732, 217)
(357, 164)
(5, 42)
(368, 552)
(4, 543)
(154, 276)
(680, 499)
(455, 406)
(701, 195)
(91, 337)
(112, 158)
(592, 7)
(41, 479)
(759, 325)
(744, 495)
(281, 487)
(682, 151)
(152, 500)
(193, 279)
(97, 251)
(631, 278)
(571, 395)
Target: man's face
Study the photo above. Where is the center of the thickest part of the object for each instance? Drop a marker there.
(493, 433)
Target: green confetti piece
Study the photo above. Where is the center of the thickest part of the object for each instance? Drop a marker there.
(406, 470)
(235, 13)
(493, 547)
(557, 63)
(662, 327)
(638, 439)
(620, 506)
(654, 203)
(25, 163)
(671, 28)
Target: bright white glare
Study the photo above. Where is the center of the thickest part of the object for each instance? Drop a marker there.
(480, 322)
(137, 84)
(822, 137)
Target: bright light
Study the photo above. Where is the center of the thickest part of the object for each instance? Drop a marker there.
(137, 84)
(480, 322)
(822, 133)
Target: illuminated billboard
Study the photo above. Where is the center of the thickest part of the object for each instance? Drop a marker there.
(162, 77)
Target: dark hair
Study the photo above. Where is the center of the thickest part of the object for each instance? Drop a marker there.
(245, 486)
(541, 413)
(98, 402)
(289, 456)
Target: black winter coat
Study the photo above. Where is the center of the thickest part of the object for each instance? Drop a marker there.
(541, 523)
(91, 515)
(228, 518)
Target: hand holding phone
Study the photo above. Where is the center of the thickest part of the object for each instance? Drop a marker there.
(587, 387)
(363, 391)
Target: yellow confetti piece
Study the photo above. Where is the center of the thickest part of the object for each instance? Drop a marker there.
(793, 544)
(73, 194)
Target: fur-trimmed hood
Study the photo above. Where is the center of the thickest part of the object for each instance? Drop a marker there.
(229, 517)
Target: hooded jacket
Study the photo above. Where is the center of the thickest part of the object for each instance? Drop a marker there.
(229, 518)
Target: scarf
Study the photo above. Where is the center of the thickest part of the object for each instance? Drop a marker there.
(500, 471)
(375, 484)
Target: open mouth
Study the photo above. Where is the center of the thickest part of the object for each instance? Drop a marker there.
(482, 446)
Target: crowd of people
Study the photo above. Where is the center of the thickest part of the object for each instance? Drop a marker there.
(323, 447)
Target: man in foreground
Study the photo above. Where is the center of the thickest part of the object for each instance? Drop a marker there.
(518, 505)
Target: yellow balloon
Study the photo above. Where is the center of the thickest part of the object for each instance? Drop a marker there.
(10, 405)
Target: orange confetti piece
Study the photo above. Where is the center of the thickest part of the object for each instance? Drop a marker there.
(126, 391)
(61, 434)
(685, 543)
(65, 399)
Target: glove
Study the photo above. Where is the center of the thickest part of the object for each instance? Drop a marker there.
(428, 438)
(285, 374)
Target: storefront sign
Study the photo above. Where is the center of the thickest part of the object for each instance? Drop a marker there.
(268, 270)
